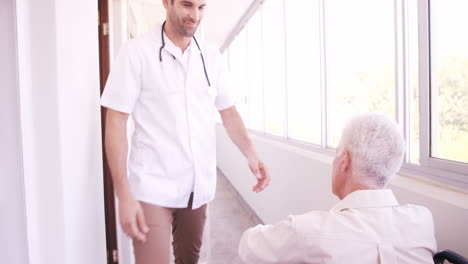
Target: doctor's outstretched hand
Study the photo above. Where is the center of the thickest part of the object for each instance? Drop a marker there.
(260, 171)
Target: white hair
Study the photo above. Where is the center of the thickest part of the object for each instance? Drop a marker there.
(376, 148)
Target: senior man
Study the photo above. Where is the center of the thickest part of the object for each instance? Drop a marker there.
(367, 225)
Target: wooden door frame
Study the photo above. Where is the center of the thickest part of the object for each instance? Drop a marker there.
(104, 67)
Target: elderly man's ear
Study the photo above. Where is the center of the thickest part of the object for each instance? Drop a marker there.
(345, 161)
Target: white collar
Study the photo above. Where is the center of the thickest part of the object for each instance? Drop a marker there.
(367, 199)
(173, 49)
(169, 45)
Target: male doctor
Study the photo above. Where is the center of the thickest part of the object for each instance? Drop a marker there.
(171, 84)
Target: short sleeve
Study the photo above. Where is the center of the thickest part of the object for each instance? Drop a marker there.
(122, 88)
(225, 95)
(271, 244)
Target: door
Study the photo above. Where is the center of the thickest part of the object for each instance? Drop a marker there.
(109, 202)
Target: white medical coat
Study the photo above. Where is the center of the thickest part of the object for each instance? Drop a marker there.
(173, 150)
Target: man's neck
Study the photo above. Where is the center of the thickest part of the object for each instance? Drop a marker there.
(178, 40)
(353, 186)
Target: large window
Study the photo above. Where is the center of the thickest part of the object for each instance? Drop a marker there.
(449, 83)
(303, 42)
(274, 75)
(360, 60)
(411, 83)
(238, 73)
(255, 96)
(314, 64)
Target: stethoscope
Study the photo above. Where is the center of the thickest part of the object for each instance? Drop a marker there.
(196, 42)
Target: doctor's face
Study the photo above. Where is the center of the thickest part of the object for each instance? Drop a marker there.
(185, 15)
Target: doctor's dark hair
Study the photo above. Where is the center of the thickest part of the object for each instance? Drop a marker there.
(376, 147)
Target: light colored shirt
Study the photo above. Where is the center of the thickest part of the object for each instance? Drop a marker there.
(174, 109)
(365, 227)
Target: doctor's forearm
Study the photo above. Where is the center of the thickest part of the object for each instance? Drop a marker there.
(236, 130)
(116, 151)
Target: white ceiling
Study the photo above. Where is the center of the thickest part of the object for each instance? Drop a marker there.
(221, 16)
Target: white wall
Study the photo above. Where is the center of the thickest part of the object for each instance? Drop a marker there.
(61, 135)
(117, 25)
(221, 17)
(301, 182)
(80, 127)
(13, 239)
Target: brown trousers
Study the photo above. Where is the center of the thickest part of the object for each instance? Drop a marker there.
(187, 232)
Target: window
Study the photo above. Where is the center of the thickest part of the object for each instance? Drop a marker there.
(314, 64)
(443, 89)
(274, 76)
(360, 60)
(449, 80)
(303, 70)
(238, 73)
(412, 81)
(255, 74)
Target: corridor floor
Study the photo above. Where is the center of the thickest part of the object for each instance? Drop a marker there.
(228, 219)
